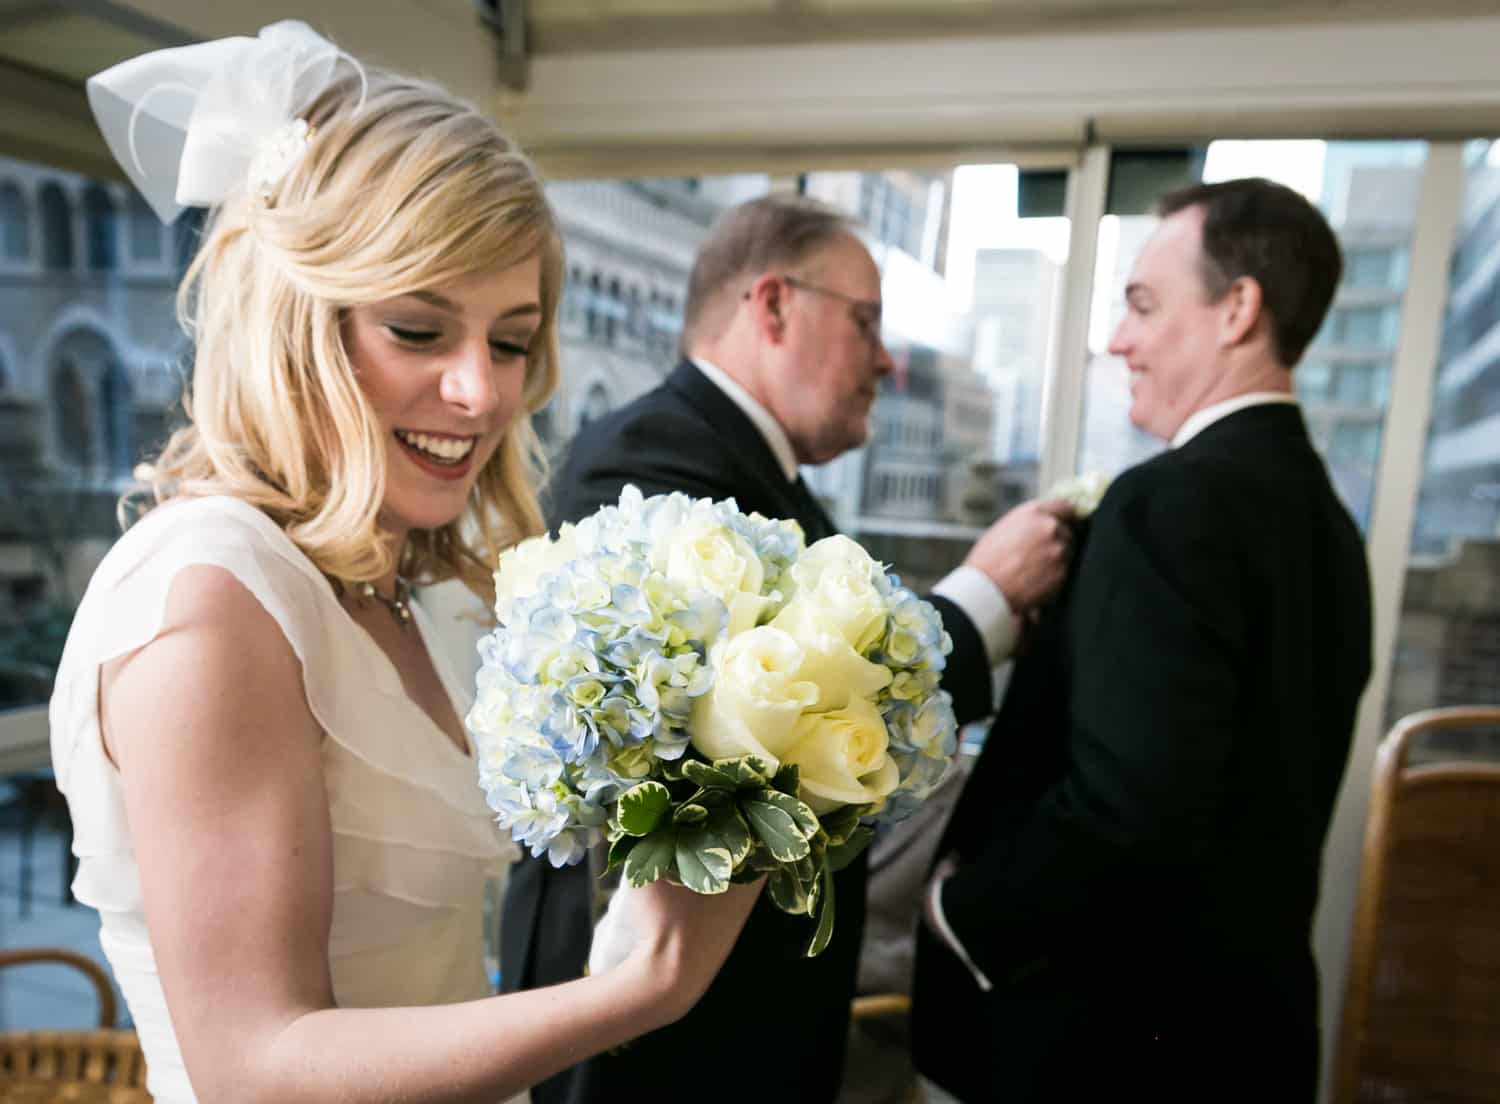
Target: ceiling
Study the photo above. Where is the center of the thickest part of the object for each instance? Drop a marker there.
(592, 73)
(72, 38)
(568, 26)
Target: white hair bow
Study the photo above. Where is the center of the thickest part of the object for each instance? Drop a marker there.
(194, 124)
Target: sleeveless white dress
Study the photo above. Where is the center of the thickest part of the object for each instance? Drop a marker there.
(413, 841)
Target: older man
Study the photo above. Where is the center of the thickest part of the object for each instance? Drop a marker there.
(1125, 909)
(783, 360)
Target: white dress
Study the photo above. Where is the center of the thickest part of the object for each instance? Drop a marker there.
(413, 841)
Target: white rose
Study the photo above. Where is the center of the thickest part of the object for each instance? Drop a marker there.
(842, 757)
(522, 566)
(756, 700)
(839, 672)
(707, 556)
(833, 591)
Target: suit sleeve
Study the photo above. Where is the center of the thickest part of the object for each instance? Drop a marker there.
(967, 676)
(1155, 642)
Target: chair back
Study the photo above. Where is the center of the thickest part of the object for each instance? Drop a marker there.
(1421, 1014)
(103, 1065)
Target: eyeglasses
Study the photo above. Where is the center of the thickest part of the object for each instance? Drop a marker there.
(864, 313)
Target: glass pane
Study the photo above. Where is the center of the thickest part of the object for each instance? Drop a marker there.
(969, 287)
(1368, 191)
(1448, 640)
(90, 356)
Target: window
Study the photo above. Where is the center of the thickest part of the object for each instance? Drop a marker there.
(99, 219)
(57, 229)
(613, 310)
(145, 230)
(1355, 443)
(633, 321)
(595, 319)
(572, 291)
(1366, 326)
(1372, 268)
(15, 224)
(187, 231)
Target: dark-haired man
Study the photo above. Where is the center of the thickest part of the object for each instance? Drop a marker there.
(1124, 906)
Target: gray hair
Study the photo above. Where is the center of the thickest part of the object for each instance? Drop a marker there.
(774, 232)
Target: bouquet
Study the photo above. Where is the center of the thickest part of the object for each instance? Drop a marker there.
(716, 698)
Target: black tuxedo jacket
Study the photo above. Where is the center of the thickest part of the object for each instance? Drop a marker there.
(1141, 838)
(687, 435)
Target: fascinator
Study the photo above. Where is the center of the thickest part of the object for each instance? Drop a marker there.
(192, 125)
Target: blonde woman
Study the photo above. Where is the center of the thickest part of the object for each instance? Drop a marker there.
(275, 803)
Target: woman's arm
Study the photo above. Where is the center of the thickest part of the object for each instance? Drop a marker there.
(221, 765)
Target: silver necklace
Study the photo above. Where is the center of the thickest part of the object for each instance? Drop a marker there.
(399, 605)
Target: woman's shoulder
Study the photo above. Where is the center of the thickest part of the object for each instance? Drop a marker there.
(161, 555)
(207, 518)
(216, 530)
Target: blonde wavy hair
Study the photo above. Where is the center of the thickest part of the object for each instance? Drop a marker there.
(402, 189)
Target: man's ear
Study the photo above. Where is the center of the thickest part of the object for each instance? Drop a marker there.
(767, 297)
(1243, 310)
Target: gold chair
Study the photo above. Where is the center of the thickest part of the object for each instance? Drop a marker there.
(103, 1066)
(1421, 1015)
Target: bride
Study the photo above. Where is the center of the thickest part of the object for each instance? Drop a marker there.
(275, 803)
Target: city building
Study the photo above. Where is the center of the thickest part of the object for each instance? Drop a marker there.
(1369, 194)
(1460, 496)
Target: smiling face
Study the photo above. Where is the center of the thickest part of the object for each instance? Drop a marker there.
(443, 370)
(1172, 335)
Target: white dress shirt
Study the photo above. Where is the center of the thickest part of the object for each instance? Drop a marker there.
(1202, 419)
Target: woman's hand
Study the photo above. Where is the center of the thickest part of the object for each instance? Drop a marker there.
(685, 938)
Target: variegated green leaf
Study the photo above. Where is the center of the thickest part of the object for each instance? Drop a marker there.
(805, 819)
(787, 892)
(808, 870)
(776, 828)
(787, 779)
(746, 770)
(619, 849)
(840, 823)
(710, 778)
(688, 813)
(642, 807)
(760, 858)
(729, 828)
(651, 858)
(824, 933)
(703, 863)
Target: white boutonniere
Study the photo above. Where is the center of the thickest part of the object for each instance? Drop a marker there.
(1082, 492)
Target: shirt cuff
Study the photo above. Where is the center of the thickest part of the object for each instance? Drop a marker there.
(974, 592)
(945, 933)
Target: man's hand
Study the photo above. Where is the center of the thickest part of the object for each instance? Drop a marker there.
(1025, 553)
